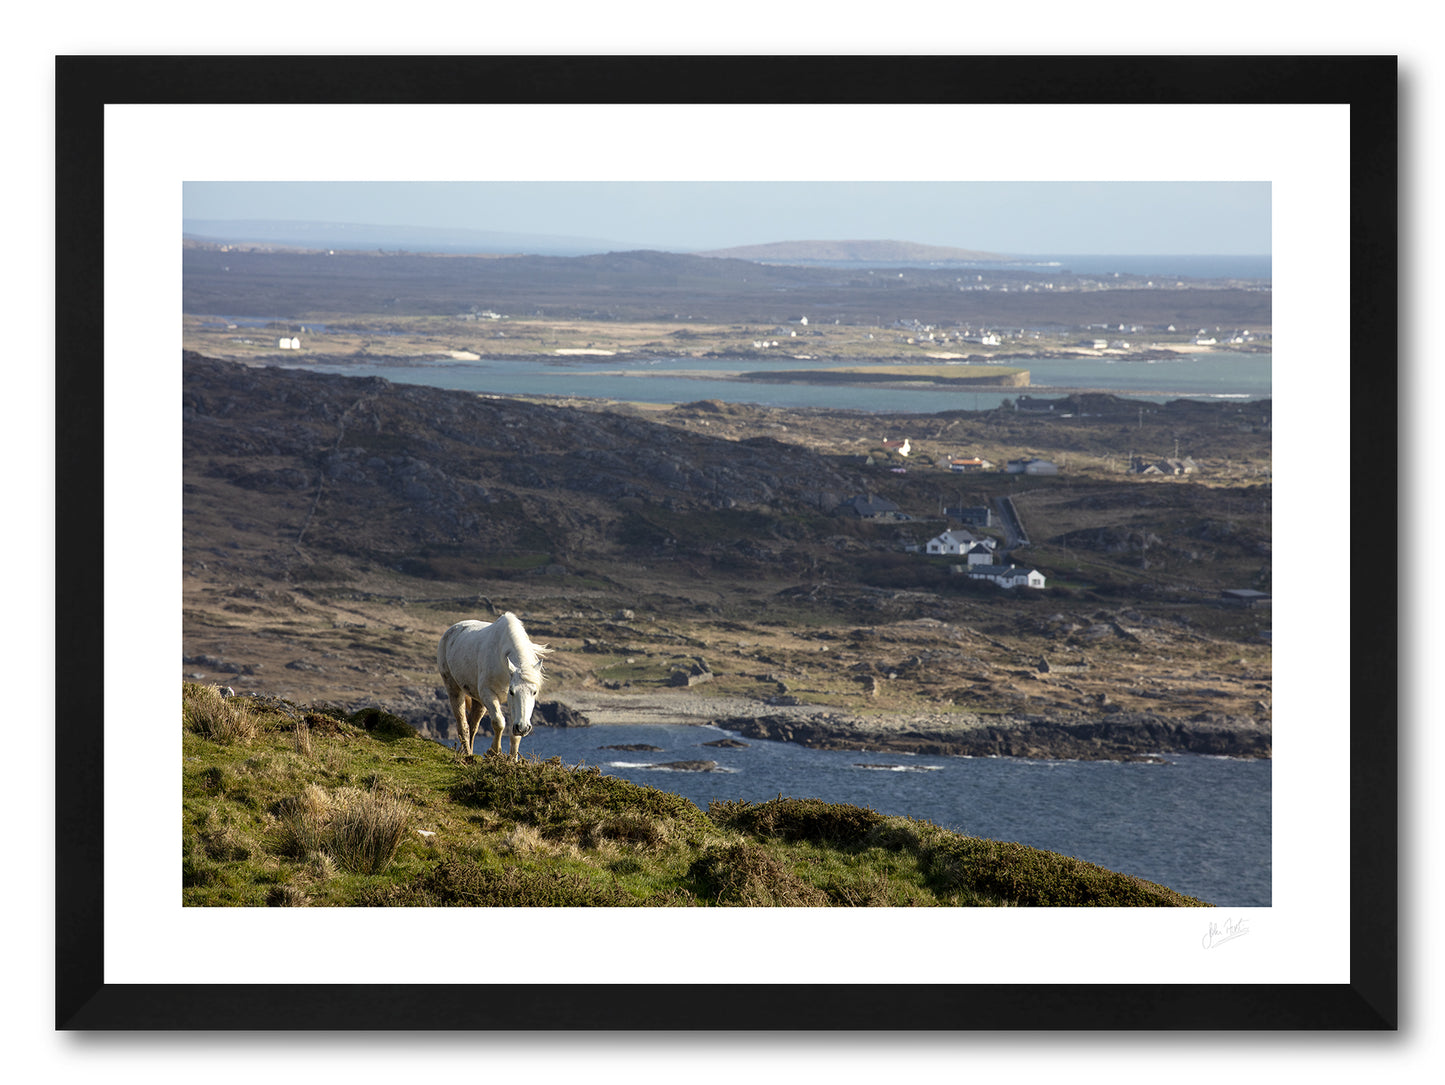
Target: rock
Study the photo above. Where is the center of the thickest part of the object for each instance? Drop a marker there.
(727, 744)
(688, 766)
(556, 714)
(634, 747)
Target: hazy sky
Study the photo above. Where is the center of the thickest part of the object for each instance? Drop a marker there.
(1112, 217)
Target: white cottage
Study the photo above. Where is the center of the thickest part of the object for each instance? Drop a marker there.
(958, 541)
(1008, 576)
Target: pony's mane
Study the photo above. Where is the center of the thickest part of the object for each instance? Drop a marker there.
(527, 656)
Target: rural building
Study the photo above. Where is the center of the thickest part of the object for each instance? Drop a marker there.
(868, 507)
(979, 553)
(970, 464)
(901, 447)
(1031, 467)
(1007, 576)
(958, 541)
(1166, 466)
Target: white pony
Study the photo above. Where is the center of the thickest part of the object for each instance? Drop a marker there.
(482, 662)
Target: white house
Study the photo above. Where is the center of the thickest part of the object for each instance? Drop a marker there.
(980, 553)
(868, 507)
(901, 447)
(950, 543)
(1008, 576)
(959, 541)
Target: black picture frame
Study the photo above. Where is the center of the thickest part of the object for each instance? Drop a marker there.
(86, 84)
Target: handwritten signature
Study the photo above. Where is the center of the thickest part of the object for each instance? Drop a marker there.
(1219, 933)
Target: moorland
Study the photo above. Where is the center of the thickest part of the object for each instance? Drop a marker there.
(335, 526)
(697, 561)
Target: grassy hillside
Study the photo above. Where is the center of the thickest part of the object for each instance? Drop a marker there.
(292, 806)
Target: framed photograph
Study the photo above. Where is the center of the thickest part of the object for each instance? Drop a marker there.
(1320, 953)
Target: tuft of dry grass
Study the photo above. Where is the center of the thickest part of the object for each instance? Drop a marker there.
(522, 840)
(303, 822)
(211, 715)
(368, 829)
(359, 831)
(301, 739)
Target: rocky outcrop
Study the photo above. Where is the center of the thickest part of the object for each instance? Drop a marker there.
(1118, 737)
(439, 464)
(556, 714)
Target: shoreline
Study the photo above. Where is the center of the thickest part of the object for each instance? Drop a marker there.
(1121, 736)
(564, 357)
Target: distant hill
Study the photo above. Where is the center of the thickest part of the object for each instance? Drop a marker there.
(277, 283)
(872, 252)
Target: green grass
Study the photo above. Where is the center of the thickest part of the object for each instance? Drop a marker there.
(311, 806)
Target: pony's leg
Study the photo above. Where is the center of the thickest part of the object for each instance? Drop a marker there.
(475, 708)
(499, 723)
(459, 713)
(516, 744)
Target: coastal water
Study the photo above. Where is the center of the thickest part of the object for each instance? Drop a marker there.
(1214, 375)
(1162, 267)
(1199, 825)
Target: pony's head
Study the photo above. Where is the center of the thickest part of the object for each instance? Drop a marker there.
(522, 688)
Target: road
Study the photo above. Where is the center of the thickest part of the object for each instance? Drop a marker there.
(1014, 534)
